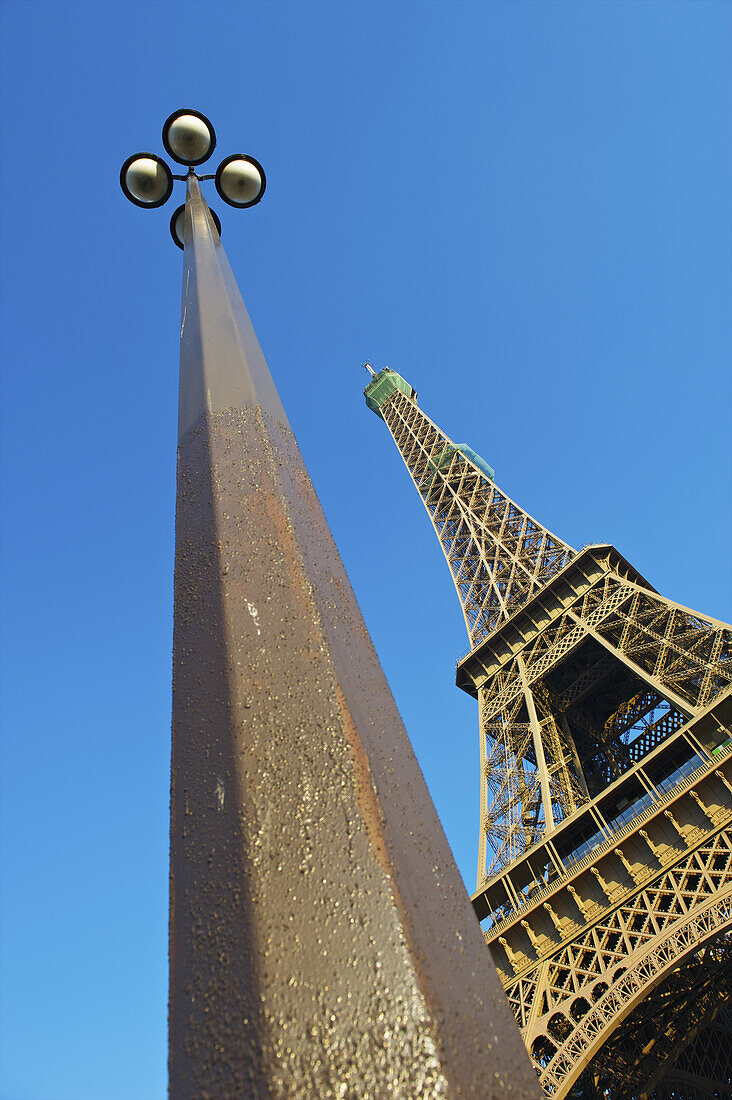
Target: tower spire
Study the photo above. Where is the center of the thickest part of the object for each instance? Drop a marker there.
(499, 556)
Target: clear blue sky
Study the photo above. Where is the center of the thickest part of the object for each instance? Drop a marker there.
(521, 207)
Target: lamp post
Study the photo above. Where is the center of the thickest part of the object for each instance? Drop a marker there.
(321, 941)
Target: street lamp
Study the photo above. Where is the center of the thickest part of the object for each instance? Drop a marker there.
(190, 139)
(320, 937)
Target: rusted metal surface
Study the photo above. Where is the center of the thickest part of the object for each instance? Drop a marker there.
(321, 941)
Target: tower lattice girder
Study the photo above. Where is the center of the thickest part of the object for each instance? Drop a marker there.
(605, 711)
(679, 1032)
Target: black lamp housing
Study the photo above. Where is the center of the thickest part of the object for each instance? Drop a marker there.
(175, 142)
(128, 184)
(178, 239)
(230, 196)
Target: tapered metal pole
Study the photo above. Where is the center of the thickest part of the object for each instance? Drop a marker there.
(321, 941)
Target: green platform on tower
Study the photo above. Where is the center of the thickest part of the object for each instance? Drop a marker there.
(380, 389)
(382, 386)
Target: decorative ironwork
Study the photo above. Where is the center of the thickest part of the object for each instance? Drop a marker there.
(605, 711)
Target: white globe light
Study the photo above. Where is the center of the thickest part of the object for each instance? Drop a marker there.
(146, 180)
(189, 137)
(240, 180)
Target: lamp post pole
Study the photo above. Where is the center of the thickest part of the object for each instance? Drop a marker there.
(321, 941)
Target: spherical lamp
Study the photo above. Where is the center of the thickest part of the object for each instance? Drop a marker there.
(189, 137)
(146, 180)
(240, 180)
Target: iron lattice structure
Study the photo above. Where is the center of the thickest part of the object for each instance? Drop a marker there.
(605, 853)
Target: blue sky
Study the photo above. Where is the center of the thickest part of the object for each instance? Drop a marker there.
(521, 207)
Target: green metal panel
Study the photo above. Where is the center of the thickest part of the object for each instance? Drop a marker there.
(445, 456)
(383, 386)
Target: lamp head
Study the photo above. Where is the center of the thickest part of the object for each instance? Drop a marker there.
(178, 225)
(146, 180)
(240, 180)
(189, 137)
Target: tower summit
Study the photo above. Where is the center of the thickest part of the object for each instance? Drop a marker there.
(605, 714)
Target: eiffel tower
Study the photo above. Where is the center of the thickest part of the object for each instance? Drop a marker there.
(605, 852)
